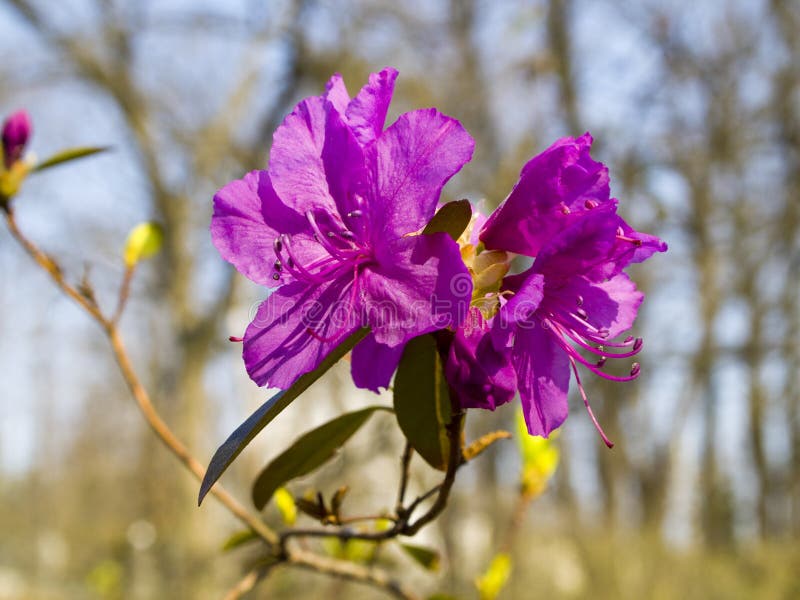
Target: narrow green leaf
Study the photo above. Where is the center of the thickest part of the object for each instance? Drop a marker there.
(248, 430)
(422, 401)
(308, 452)
(68, 155)
(239, 538)
(427, 557)
(453, 218)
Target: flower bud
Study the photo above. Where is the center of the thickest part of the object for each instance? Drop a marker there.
(144, 241)
(16, 131)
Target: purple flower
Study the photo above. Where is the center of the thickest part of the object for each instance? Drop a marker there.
(575, 296)
(555, 188)
(16, 131)
(332, 224)
(480, 375)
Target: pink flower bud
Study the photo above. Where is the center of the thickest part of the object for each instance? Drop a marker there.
(16, 131)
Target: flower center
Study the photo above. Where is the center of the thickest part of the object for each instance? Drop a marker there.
(342, 249)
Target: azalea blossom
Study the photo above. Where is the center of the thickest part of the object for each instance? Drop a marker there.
(574, 300)
(334, 224)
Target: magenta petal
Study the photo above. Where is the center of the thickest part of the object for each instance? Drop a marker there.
(609, 305)
(295, 328)
(646, 245)
(543, 372)
(374, 364)
(555, 187)
(295, 160)
(336, 93)
(587, 247)
(412, 160)
(345, 167)
(366, 114)
(479, 375)
(239, 230)
(518, 311)
(419, 285)
(248, 216)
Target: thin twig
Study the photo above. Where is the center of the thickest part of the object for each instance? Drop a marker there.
(124, 292)
(350, 571)
(247, 583)
(405, 463)
(454, 462)
(402, 525)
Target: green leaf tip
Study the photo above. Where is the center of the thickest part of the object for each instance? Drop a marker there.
(68, 155)
(452, 218)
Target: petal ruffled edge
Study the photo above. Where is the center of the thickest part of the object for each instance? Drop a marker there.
(411, 162)
(239, 229)
(366, 113)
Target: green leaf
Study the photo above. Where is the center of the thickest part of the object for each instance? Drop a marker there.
(427, 557)
(308, 452)
(144, 241)
(248, 430)
(422, 401)
(240, 538)
(68, 155)
(492, 582)
(453, 218)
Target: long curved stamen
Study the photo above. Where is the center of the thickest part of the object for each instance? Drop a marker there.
(296, 265)
(594, 368)
(324, 240)
(578, 339)
(603, 435)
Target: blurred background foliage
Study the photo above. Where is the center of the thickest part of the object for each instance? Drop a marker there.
(695, 106)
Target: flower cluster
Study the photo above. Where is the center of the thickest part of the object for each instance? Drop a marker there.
(335, 225)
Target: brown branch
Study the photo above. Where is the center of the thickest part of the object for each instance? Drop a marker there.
(124, 293)
(402, 521)
(138, 391)
(405, 463)
(350, 571)
(247, 583)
